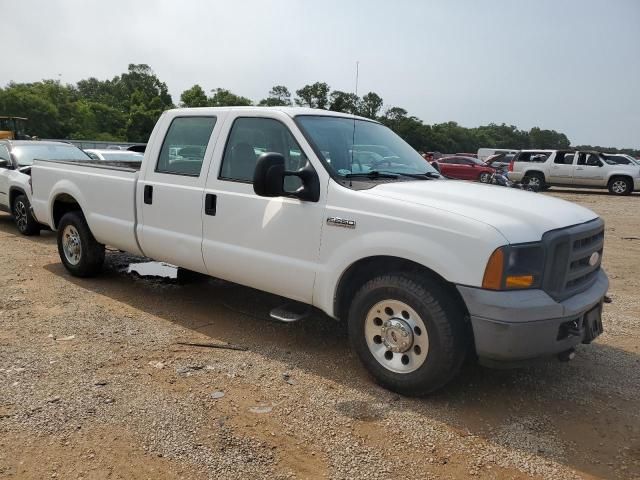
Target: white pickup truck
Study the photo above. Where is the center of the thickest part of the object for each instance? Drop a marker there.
(338, 212)
(570, 168)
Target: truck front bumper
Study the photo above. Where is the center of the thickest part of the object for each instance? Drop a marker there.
(520, 325)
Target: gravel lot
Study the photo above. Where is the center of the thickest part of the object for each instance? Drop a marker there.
(95, 384)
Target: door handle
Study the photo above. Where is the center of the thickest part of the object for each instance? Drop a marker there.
(210, 201)
(148, 194)
(579, 168)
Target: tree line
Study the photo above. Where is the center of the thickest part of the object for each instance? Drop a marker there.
(126, 107)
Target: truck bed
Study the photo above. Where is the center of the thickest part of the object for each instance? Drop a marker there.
(106, 192)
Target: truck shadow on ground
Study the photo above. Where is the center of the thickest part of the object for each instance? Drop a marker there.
(580, 413)
(585, 191)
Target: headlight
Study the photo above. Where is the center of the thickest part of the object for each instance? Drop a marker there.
(515, 267)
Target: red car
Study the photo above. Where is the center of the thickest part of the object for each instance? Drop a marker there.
(464, 168)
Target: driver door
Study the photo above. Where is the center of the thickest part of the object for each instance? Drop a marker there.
(271, 244)
(589, 170)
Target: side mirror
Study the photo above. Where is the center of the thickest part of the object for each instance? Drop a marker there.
(269, 175)
(4, 163)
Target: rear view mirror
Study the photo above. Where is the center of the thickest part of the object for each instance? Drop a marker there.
(269, 175)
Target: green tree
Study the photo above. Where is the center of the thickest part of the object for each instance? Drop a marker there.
(344, 102)
(313, 96)
(371, 105)
(547, 139)
(279, 96)
(194, 97)
(224, 98)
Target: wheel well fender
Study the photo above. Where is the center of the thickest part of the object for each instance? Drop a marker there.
(13, 193)
(62, 204)
(365, 269)
(534, 172)
(624, 176)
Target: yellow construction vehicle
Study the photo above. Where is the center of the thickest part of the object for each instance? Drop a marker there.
(13, 128)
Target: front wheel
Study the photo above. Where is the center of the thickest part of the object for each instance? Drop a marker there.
(409, 333)
(620, 186)
(79, 251)
(21, 209)
(485, 177)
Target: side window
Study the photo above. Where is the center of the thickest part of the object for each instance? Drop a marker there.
(4, 153)
(564, 158)
(593, 160)
(251, 137)
(184, 146)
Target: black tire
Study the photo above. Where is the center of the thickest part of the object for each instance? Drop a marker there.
(21, 210)
(484, 177)
(536, 181)
(90, 256)
(441, 314)
(620, 186)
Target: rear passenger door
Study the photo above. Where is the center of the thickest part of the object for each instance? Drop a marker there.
(271, 244)
(170, 192)
(561, 171)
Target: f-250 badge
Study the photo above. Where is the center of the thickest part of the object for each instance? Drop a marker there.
(341, 222)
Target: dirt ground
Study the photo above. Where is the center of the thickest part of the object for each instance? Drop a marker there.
(95, 385)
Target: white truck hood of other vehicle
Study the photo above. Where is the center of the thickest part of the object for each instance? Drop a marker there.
(519, 215)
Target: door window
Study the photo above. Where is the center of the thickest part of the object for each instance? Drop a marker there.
(251, 137)
(564, 158)
(589, 159)
(184, 146)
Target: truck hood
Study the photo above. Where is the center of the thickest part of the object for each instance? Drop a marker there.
(520, 216)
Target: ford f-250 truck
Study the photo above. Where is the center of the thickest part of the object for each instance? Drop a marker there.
(339, 213)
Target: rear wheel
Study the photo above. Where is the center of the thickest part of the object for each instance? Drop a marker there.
(620, 186)
(21, 209)
(409, 332)
(535, 180)
(79, 251)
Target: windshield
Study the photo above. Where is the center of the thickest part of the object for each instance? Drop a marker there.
(351, 146)
(26, 154)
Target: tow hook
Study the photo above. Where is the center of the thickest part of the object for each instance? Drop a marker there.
(567, 355)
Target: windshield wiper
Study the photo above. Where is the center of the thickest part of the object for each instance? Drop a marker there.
(372, 174)
(421, 176)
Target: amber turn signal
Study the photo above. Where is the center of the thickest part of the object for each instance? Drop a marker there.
(519, 281)
(493, 273)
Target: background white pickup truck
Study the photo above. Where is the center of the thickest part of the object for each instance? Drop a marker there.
(339, 213)
(570, 168)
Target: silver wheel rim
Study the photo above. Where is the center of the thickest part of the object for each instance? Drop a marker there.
(534, 182)
(396, 336)
(20, 214)
(484, 177)
(71, 244)
(619, 186)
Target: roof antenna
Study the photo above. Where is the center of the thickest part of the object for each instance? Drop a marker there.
(353, 140)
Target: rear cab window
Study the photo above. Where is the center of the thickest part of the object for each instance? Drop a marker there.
(184, 146)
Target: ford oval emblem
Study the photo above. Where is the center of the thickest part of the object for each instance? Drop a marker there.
(593, 259)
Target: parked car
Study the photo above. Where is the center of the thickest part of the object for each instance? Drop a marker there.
(16, 159)
(464, 168)
(425, 271)
(114, 155)
(568, 168)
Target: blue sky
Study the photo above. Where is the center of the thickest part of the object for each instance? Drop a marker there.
(568, 65)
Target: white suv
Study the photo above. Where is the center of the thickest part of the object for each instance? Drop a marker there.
(570, 168)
